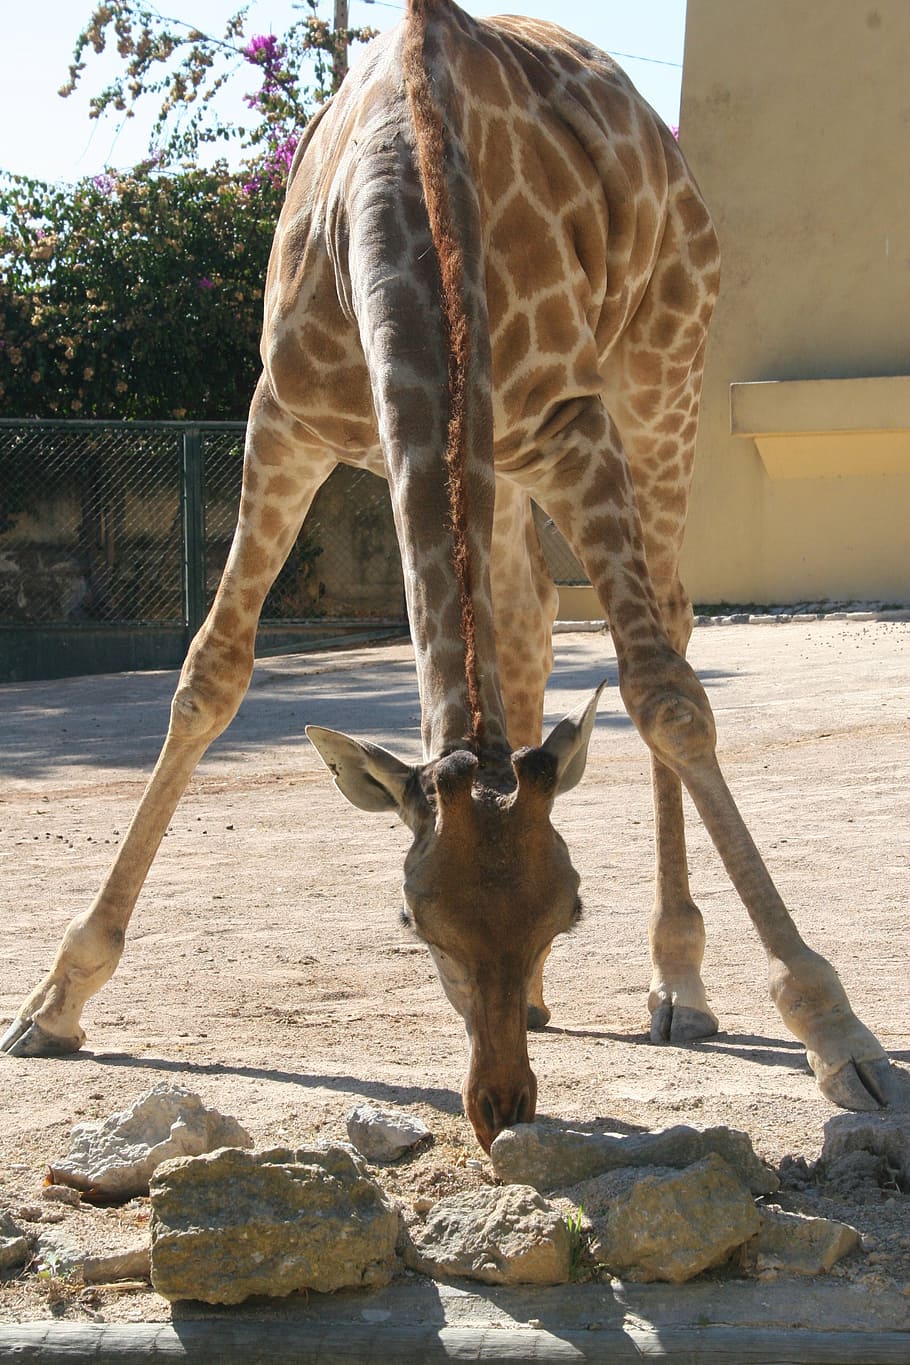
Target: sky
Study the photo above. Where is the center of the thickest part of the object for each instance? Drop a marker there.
(49, 138)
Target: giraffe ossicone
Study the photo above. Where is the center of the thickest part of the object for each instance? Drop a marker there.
(491, 282)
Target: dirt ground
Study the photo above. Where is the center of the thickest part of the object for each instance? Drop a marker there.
(266, 968)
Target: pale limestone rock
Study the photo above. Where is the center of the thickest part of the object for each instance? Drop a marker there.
(384, 1134)
(667, 1224)
(61, 1194)
(232, 1223)
(869, 1149)
(548, 1157)
(116, 1157)
(796, 1244)
(63, 1251)
(15, 1245)
(131, 1264)
(499, 1236)
(58, 1250)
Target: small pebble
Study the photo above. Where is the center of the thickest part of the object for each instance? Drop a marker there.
(62, 1194)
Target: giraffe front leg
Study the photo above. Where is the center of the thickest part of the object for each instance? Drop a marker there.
(278, 488)
(48, 1020)
(850, 1066)
(586, 487)
(525, 602)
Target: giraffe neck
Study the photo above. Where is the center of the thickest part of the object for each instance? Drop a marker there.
(430, 146)
(468, 441)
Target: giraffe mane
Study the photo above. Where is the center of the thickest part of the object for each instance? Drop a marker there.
(430, 141)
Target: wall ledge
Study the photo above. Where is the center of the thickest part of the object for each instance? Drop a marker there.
(826, 428)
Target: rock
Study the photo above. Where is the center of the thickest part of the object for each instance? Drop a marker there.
(115, 1157)
(796, 1244)
(668, 1224)
(232, 1223)
(57, 1252)
(499, 1236)
(132, 1264)
(795, 1172)
(63, 1254)
(550, 1157)
(384, 1134)
(15, 1245)
(34, 1213)
(61, 1194)
(866, 1150)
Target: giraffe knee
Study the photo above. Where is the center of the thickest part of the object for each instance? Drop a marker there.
(680, 730)
(674, 717)
(208, 696)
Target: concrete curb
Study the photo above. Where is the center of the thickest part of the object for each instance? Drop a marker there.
(746, 618)
(320, 1343)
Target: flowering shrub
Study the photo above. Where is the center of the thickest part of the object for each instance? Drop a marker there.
(186, 69)
(132, 296)
(140, 294)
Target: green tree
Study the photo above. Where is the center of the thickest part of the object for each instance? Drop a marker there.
(140, 294)
(133, 296)
(186, 70)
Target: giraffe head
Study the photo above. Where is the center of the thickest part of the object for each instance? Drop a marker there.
(488, 884)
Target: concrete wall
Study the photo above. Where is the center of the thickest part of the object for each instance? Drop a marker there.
(796, 121)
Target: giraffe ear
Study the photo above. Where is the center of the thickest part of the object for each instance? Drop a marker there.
(370, 777)
(568, 743)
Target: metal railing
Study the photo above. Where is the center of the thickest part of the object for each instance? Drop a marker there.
(114, 535)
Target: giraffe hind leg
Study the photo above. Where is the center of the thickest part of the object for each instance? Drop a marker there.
(653, 385)
(524, 609)
(677, 1000)
(586, 487)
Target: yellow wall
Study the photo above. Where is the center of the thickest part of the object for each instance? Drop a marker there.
(796, 121)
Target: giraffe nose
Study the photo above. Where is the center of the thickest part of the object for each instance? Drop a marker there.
(503, 1109)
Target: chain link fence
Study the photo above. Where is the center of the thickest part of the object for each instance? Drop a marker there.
(113, 537)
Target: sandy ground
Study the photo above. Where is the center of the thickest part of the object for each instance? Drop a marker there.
(266, 968)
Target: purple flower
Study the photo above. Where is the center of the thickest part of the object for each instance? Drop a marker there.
(262, 49)
(674, 129)
(275, 164)
(104, 183)
(206, 283)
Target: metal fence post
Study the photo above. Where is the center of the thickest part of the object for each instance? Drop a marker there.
(193, 495)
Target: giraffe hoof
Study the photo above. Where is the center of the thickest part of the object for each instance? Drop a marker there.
(862, 1085)
(538, 1016)
(681, 1024)
(26, 1038)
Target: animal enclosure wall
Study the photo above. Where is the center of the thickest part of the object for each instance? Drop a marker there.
(796, 121)
(113, 537)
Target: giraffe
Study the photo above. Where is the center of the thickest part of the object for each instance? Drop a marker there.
(491, 282)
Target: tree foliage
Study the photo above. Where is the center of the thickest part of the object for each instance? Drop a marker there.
(133, 296)
(185, 70)
(139, 294)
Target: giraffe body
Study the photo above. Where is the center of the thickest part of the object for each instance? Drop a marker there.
(491, 282)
